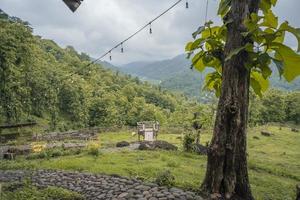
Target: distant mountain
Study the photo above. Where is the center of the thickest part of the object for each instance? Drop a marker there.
(108, 65)
(135, 65)
(175, 74)
(158, 70)
(172, 74)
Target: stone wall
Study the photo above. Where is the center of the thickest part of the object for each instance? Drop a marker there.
(95, 187)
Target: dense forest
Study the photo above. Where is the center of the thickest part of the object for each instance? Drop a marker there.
(43, 82)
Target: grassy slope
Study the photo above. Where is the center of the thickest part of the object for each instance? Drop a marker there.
(273, 161)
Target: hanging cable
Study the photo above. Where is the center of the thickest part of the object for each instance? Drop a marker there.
(131, 36)
(206, 11)
(135, 33)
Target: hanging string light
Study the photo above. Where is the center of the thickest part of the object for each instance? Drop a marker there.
(122, 49)
(134, 34)
(150, 30)
(187, 4)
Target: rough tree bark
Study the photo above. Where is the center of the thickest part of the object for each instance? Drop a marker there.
(227, 174)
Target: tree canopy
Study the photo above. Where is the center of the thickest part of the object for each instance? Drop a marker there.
(41, 81)
(266, 46)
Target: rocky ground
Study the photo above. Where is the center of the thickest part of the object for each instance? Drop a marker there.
(95, 187)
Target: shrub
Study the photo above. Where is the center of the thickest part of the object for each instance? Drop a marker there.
(165, 178)
(93, 148)
(76, 151)
(29, 192)
(55, 153)
(188, 142)
(93, 151)
(47, 154)
(55, 193)
(40, 155)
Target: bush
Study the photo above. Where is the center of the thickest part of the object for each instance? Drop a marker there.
(93, 149)
(55, 153)
(76, 151)
(29, 192)
(188, 142)
(40, 155)
(165, 178)
(54, 193)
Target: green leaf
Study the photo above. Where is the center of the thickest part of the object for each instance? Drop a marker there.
(265, 5)
(199, 30)
(266, 71)
(279, 65)
(290, 59)
(273, 2)
(188, 46)
(197, 43)
(209, 32)
(199, 65)
(255, 86)
(270, 20)
(224, 7)
(213, 81)
(197, 62)
(264, 61)
(295, 31)
(258, 83)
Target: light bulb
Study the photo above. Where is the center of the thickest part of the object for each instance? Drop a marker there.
(150, 30)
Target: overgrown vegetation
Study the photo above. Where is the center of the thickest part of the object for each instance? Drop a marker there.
(188, 142)
(29, 192)
(275, 106)
(54, 153)
(41, 81)
(165, 178)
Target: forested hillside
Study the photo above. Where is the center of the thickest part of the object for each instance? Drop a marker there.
(175, 74)
(41, 81)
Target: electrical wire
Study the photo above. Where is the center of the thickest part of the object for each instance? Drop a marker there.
(132, 35)
(206, 11)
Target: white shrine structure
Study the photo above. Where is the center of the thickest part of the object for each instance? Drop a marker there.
(148, 130)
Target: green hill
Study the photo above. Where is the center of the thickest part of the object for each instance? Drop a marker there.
(175, 74)
(43, 82)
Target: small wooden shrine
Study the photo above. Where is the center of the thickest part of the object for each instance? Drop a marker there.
(148, 130)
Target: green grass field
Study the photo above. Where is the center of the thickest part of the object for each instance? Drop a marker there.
(274, 162)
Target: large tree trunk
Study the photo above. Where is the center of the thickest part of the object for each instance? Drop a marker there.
(227, 174)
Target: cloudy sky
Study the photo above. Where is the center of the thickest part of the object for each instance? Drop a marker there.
(100, 24)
